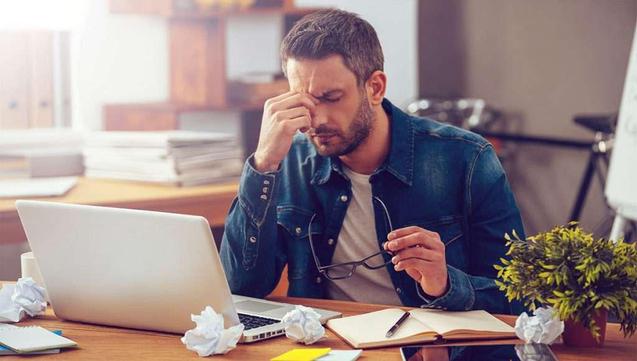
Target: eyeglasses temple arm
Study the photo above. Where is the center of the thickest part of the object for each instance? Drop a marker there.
(391, 226)
(309, 236)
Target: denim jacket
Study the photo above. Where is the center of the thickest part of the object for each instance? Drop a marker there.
(436, 176)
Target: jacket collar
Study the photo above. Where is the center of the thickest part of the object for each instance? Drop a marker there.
(400, 160)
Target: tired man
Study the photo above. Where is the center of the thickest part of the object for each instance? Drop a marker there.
(361, 201)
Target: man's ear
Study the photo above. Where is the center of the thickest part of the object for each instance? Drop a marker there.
(376, 86)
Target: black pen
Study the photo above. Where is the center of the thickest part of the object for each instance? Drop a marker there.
(396, 325)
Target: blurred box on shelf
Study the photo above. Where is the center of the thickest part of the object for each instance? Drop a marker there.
(256, 88)
(40, 153)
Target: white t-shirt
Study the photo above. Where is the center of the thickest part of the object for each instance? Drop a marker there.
(357, 240)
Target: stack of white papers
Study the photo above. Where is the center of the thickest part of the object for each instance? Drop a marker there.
(169, 157)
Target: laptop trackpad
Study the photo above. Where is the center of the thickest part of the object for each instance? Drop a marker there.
(255, 306)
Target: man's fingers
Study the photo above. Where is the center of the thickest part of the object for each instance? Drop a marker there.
(417, 252)
(412, 262)
(298, 123)
(281, 96)
(397, 233)
(429, 240)
(291, 101)
(291, 113)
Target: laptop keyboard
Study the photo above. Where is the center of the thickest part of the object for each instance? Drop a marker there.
(251, 322)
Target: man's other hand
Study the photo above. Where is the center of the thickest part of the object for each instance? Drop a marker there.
(421, 254)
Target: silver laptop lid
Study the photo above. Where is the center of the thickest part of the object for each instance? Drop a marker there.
(127, 268)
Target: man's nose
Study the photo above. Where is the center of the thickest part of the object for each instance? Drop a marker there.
(319, 117)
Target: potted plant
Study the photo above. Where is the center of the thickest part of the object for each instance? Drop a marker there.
(581, 277)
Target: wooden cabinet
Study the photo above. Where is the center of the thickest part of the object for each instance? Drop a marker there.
(41, 75)
(197, 62)
(197, 46)
(14, 85)
(34, 79)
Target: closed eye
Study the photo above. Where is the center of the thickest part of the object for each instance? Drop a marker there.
(331, 96)
(331, 100)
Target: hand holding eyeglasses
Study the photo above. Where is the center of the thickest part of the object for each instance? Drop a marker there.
(421, 254)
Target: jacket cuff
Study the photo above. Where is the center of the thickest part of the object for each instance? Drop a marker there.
(256, 191)
(459, 297)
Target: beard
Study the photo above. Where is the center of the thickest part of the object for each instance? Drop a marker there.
(343, 143)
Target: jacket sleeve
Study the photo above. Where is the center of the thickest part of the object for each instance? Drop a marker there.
(252, 254)
(492, 212)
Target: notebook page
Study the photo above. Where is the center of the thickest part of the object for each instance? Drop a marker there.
(32, 338)
(445, 322)
(372, 327)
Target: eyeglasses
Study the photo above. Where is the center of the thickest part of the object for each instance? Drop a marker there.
(339, 271)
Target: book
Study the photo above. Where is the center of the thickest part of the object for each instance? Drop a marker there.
(25, 163)
(8, 352)
(14, 167)
(32, 339)
(422, 326)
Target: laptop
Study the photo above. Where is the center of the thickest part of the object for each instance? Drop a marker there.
(139, 269)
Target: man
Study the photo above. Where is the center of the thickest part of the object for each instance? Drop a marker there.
(369, 204)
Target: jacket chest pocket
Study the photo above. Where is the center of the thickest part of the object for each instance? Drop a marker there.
(295, 222)
(450, 231)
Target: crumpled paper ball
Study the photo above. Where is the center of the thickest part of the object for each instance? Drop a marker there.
(29, 296)
(23, 297)
(302, 324)
(542, 327)
(209, 336)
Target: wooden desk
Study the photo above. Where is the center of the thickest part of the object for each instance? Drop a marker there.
(109, 343)
(210, 201)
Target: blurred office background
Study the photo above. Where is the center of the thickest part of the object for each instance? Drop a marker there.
(205, 65)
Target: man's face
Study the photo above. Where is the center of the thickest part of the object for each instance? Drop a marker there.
(343, 117)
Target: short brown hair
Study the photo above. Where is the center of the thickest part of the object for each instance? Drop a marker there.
(328, 32)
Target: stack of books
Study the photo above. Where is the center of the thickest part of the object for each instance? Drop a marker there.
(180, 158)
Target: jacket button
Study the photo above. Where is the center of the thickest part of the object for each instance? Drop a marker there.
(319, 279)
(264, 197)
(330, 241)
(398, 290)
(253, 239)
(266, 182)
(298, 230)
(265, 189)
(344, 198)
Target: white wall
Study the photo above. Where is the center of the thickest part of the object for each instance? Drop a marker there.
(116, 59)
(252, 44)
(41, 14)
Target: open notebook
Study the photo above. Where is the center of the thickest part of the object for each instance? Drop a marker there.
(422, 326)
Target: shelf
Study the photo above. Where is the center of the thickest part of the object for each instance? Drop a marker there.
(225, 14)
(189, 10)
(197, 57)
(158, 116)
(183, 108)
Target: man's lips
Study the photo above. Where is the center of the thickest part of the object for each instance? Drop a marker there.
(323, 137)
